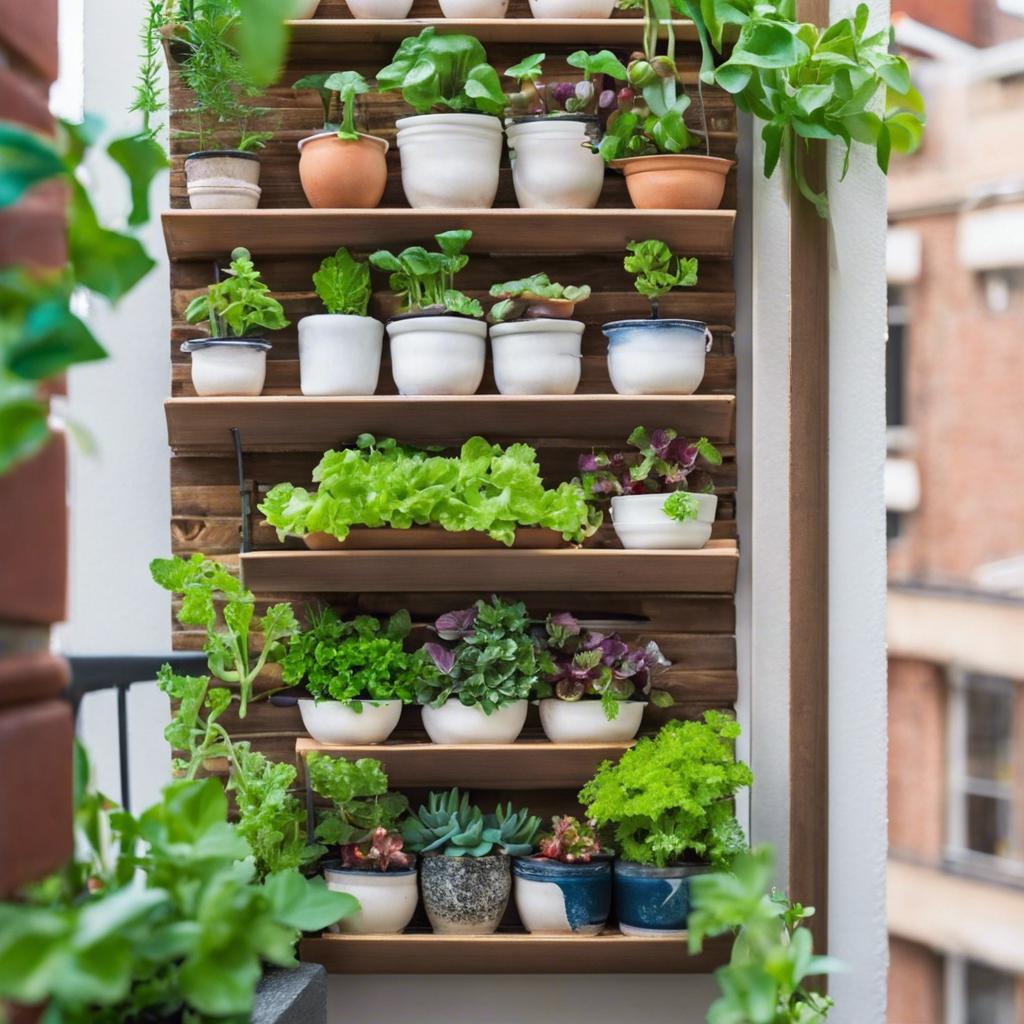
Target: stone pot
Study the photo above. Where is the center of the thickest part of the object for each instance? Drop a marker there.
(339, 354)
(584, 721)
(387, 899)
(657, 357)
(222, 179)
(335, 721)
(553, 166)
(674, 181)
(653, 901)
(343, 173)
(458, 723)
(228, 366)
(537, 357)
(465, 895)
(553, 898)
(437, 355)
(640, 522)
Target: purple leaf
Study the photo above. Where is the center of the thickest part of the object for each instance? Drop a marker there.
(456, 625)
(441, 657)
(562, 91)
(606, 100)
(566, 622)
(589, 463)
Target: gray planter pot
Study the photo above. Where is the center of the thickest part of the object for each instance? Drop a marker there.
(465, 895)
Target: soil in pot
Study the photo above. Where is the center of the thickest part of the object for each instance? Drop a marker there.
(553, 898)
(335, 721)
(437, 355)
(537, 357)
(656, 357)
(456, 723)
(343, 173)
(584, 721)
(339, 354)
(553, 167)
(465, 895)
(228, 366)
(675, 181)
(387, 899)
(653, 901)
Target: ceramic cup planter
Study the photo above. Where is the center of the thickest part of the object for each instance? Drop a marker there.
(553, 898)
(450, 161)
(343, 173)
(228, 366)
(674, 181)
(460, 10)
(223, 179)
(584, 721)
(335, 721)
(339, 354)
(657, 357)
(653, 901)
(572, 8)
(383, 10)
(455, 722)
(387, 899)
(640, 522)
(537, 357)
(553, 167)
(465, 895)
(437, 355)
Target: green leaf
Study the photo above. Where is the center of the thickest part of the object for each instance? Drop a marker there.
(527, 69)
(52, 339)
(343, 284)
(26, 160)
(263, 37)
(23, 429)
(141, 158)
(306, 904)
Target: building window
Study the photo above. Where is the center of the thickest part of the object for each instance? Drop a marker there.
(978, 994)
(895, 387)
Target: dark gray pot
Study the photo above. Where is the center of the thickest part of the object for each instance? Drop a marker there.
(465, 895)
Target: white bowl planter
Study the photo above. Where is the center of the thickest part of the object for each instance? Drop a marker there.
(222, 180)
(553, 167)
(387, 899)
(572, 8)
(383, 10)
(640, 522)
(449, 161)
(303, 9)
(462, 9)
(437, 355)
(334, 721)
(584, 721)
(657, 357)
(537, 357)
(228, 366)
(339, 354)
(454, 722)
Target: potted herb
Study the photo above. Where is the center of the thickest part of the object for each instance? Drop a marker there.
(485, 680)
(661, 495)
(669, 803)
(340, 350)
(596, 685)
(438, 344)
(340, 167)
(357, 675)
(534, 343)
(233, 359)
(449, 160)
(464, 871)
(549, 126)
(363, 821)
(570, 862)
(657, 356)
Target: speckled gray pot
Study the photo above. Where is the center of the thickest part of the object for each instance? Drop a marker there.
(465, 895)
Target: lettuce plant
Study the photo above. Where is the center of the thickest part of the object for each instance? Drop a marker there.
(570, 841)
(343, 284)
(535, 296)
(448, 824)
(346, 85)
(553, 99)
(657, 271)
(239, 304)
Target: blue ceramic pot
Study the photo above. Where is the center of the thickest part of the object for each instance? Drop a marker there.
(653, 901)
(562, 899)
(656, 357)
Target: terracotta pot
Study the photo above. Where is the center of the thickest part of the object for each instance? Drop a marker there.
(677, 181)
(343, 173)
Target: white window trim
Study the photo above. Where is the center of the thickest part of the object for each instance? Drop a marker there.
(955, 1002)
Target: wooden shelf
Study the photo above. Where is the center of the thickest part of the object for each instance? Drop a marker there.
(511, 953)
(286, 423)
(711, 570)
(211, 234)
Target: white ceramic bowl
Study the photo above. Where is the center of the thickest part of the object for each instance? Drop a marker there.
(228, 366)
(537, 357)
(334, 721)
(454, 722)
(640, 522)
(584, 721)
(339, 354)
(572, 8)
(387, 899)
(460, 10)
(437, 355)
(382, 10)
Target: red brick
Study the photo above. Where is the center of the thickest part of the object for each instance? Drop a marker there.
(915, 984)
(28, 30)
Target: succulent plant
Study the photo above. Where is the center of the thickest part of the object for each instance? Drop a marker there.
(449, 824)
(571, 841)
(382, 851)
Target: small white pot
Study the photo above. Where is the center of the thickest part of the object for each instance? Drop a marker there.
(304, 9)
(584, 721)
(339, 354)
(537, 357)
(449, 161)
(387, 899)
(454, 722)
(572, 8)
(657, 357)
(228, 366)
(640, 522)
(437, 355)
(381, 10)
(553, 168)
(334, 721)
(462, 9)
(222, 180)
(223, 195)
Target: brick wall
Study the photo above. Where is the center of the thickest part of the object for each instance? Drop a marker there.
(979, 22)
(915, 984)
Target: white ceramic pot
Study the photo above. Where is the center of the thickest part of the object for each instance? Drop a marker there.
(572, 8)
(334, 721)
(228, 366)
(584, 721)
(387, 899)
(454, 722)
(381, 10)
(304, 9)
(339, 354)
(553, 168)
(437, 355)
(462, 9)
(537, 357)
(222, 180)
(640, 522)
(657, 357)
(223, 195)
(449, 161)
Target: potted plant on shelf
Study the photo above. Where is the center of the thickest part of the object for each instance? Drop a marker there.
(534, 342)
(340, 166)
(449, 160)
(356, 675)
(595, 686)
(661, 495)
(657, 356)
(571, 860)
(438, 344)
(669, 803)
(464, 868)
(572, 8)
(340, 350)
(380, 10)
(233, 359)
(552, 128)
(483, 684)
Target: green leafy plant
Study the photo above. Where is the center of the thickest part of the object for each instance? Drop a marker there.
(680, 506)
(669, 798)
(536, 295)
(657, 271)
(239, 304)
(772, 953)
(381, 483)
(343, 284)
(346, 85)
(555, 99)
(570, 841)
(449, 825)
(448, 71)
(425, 280)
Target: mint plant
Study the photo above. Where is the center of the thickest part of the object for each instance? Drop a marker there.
(239, 304)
